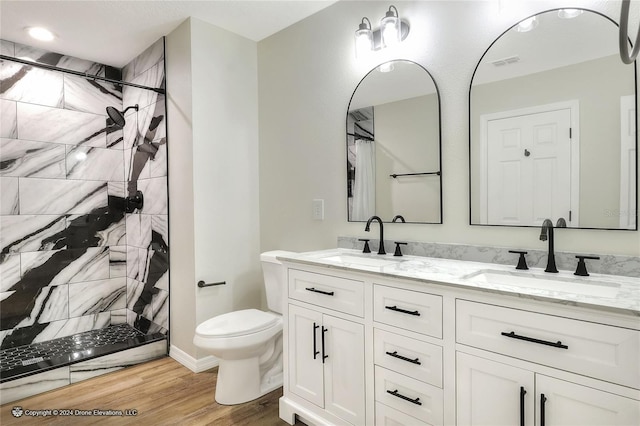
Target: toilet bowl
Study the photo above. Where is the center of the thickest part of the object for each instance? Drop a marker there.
(248, 343)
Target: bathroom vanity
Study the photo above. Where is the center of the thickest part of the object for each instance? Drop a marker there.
(378, 340)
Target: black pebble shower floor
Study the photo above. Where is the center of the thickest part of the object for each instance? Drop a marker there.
(36, 357)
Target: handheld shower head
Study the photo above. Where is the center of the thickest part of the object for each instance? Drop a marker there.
(118, 116)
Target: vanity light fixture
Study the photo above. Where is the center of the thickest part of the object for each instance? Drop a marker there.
(391, 32)
(364, 38)
(40, 33)
(569, 13)
(527, 25)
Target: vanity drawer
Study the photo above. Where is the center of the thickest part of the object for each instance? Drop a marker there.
(411, 357)
(596, 350)
(409, 396)
(387, 416)
(336, 293)
(411, 310)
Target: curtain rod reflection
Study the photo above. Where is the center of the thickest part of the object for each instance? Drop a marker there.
(395, 175)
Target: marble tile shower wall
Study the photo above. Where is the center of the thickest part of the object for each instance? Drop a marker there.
(71, 259)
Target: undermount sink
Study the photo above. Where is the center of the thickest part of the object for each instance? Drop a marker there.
(348, 259)
(529, 280)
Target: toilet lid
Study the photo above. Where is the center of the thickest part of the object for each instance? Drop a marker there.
(237, 323)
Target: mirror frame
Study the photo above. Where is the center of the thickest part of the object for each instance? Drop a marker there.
(437, 92)
(635, 85)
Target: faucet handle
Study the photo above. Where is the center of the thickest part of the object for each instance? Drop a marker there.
(522, 262)
(366, 248)
(581, 269)
(398, 251)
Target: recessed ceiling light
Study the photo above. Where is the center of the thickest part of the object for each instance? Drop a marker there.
(40, 33)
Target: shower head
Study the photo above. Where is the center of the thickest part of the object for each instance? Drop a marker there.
(118, 116)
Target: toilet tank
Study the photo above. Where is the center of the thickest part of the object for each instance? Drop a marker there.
(275, 278)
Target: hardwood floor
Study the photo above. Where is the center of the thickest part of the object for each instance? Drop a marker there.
(162, 391)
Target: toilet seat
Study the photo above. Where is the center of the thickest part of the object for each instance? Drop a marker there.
(237, 323)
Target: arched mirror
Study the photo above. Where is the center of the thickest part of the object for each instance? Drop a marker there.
(393, 146)
(552, 121)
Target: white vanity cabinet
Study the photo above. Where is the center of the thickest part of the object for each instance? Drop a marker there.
(400, 350)
(490, 392)
(325, 352)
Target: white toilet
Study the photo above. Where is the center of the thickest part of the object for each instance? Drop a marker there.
(248, 343)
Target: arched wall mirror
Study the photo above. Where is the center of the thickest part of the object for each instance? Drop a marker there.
(552, 119)
(393, 146)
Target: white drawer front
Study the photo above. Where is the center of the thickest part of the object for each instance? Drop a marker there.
(596, 350)
(340, 294)
(413, 358)
(387, 416)
(398, 391)
(411, 310)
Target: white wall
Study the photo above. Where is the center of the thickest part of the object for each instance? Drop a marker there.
(215, 159)
(307, 74)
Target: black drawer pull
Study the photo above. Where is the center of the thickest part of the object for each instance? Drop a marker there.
(522, 394)
(543, 401)
(557, 344)
(315, 345)
(406, 398)
(404, 358)
(328, 293)
(404, 311)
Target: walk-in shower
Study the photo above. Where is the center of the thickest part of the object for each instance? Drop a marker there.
(84, 241)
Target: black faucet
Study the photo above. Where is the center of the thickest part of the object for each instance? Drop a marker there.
(398, 217)
(366, 228)
(547, 229)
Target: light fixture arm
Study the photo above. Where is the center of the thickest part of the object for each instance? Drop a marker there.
(623, 38)
(366, 26)
(390, 13)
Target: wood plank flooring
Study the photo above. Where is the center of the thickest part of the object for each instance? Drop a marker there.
(162, 391)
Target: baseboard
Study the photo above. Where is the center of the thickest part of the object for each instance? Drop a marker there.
(195, 365)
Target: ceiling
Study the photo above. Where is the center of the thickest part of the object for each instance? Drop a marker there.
(113, 32)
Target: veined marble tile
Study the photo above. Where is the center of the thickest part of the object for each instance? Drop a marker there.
(39, 123)
(9, 271)
(137, 297)
(138, 230)
(150, 57)
(6, 294)
(130, 134)
(31, 159)
(155, 195)
(8, 120)
(97, 296)
(9, 199)
(29, 232)
(82, 230)
(133, 262)
(116, 189)
(81, 94)
(7, 48)
(117, 361)
(54, 196)
(32, 385)
(119, 316)
(160, 225)
(75, 325)
(160, 308)
(153, 77)
(56, 59)
(26, 83)
(115, 137)
(88, 163)
(135, 165)
(66, 266)
(117, 261)
(51, 304)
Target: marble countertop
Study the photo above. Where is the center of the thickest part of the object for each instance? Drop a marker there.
(606, 292)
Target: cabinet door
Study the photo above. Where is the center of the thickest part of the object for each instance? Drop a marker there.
(305, 365)
(490, 393)
(344, 369)
(572, 404)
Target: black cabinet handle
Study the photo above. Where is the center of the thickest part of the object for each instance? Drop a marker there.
(522, 394)
(315, 349)
(328, 293)
(404, 311)
(557, 344)
(543, 400)
(412, 361)
(324, 330)
(406, 398)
